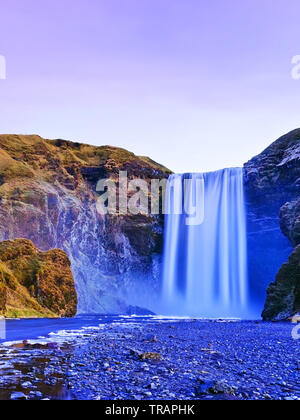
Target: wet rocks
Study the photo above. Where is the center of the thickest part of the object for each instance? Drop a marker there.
(259, 361)
(214, 388)
(15, 396)
(25, 345)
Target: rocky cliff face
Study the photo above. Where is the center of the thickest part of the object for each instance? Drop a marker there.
(283, 298)
(48, 195)
(272, 182)
(290, 221)
(272, 179)
(283, 295)
(35, 283)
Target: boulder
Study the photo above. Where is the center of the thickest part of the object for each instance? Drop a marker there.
(35, 283)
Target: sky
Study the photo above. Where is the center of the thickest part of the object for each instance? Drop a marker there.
(196, 85)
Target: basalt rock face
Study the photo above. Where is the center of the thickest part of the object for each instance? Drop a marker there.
(283, 295)
(48, 195)
(35, 283)
(272, 187)
(283, 298)
(290, 221)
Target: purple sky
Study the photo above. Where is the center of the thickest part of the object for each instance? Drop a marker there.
(196, 85)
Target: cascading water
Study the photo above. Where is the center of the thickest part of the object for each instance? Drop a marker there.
(205, 252)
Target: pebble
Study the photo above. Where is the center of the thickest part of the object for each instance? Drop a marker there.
(241, 360)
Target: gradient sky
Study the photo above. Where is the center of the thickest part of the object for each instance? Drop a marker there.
(197, 85)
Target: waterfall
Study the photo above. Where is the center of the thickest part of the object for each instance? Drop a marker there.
(205, 251)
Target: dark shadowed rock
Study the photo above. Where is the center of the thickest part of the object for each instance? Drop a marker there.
(272, 179)
(290, 221)
(213, 388)
(283, 296)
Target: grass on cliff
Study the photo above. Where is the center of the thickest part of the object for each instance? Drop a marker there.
(15, 300)
(27, 155)
(35, 283)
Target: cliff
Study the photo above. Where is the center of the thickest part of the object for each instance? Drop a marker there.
(283, 295)
(48, 195)
(283, 298)
(273, 196)
(35, 283)
(272, 179)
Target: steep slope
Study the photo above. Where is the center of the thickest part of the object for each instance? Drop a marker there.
(48, 195)
(35, 283)
(272, 179)
(283, 295)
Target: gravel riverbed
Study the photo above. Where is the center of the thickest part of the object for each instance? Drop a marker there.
(158, 360)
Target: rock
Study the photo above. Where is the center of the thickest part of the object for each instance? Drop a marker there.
(283, 296)
(150, 356)
(213, 387)
(148, 394)
(272, 179)
(137, 353)
(35, 283)
(48, 195)
(136, 310)
(18, 396)
(290, 221)
(52, 346)
(26, 385)
(35, 394)
(151, 338)
(25, 345)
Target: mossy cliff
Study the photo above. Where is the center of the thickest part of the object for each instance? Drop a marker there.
(35, 283)
(48, 195)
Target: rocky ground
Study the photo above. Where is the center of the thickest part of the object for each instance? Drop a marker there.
(159, 360)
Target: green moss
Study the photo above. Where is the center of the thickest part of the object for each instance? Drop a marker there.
(35, 283)
(27, 313)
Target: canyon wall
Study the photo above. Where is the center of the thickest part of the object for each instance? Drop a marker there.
(48, 195)
(272, 184)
